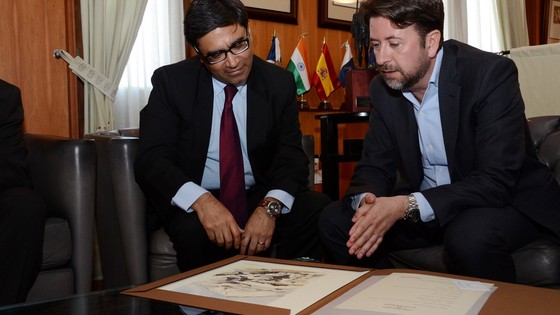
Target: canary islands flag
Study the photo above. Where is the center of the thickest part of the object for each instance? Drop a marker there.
(324, 78)
(347, 64)
(298, 65)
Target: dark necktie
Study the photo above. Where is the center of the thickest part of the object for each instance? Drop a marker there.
(232, 179)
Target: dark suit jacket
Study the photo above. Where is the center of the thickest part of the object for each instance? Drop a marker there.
(175, 130)
(491, 160)
(13, 170)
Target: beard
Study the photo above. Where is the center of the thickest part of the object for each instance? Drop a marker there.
(407, 80)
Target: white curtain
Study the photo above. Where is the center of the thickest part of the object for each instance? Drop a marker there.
(491, 25)
(456, 21)
(483, 25)
(512, 19)
(160, 41)
(109, 28)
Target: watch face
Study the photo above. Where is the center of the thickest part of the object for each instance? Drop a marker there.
(273, 208)
(413, 215)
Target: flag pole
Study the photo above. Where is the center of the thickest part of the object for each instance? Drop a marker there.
(324, 104)
(303, 104)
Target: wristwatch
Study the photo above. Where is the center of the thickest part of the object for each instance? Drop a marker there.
(273, 208)
(412, 213)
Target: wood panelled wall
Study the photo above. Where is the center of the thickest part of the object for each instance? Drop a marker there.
(288, 35)
(536, 13)
(30, 31)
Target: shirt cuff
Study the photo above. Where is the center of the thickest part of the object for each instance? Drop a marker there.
(426, 211)
(356, 200)
(286, 199)
(187, 195)
(190, 192)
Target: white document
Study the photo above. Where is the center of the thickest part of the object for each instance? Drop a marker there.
(409, 293)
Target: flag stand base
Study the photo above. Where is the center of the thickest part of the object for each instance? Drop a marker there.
(325, 105)
(303, 105)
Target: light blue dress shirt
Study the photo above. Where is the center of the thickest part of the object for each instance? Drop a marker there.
(430, 136)
(190, 192)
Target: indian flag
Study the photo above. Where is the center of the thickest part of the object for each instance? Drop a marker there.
(298, 65)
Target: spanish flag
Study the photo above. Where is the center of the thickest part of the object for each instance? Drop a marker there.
(325, 79)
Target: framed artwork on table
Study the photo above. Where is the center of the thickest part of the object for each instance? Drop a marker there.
(283, 11)
(551, 18)
(255, 285)
(337, 14)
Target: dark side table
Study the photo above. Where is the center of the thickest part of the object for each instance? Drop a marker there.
(330, 156)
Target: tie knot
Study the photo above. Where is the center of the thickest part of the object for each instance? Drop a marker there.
(230, 92)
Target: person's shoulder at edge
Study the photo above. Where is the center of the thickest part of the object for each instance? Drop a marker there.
(10, 102)
(7, 89)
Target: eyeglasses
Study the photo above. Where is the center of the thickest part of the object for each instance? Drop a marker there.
(221, 55)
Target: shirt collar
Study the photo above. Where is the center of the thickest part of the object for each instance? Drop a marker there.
(434, 80)
(219, 86)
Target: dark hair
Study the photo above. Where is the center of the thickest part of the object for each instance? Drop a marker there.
(424, 15)
(203, 16)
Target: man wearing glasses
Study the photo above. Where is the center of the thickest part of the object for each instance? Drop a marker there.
(182, 164)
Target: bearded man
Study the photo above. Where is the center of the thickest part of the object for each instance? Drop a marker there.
(448, 121)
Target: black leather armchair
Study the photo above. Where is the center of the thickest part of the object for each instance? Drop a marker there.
(537, 263)
(146, 255)
(63, 173)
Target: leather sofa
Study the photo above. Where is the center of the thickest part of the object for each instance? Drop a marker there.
(63, 173)
(537, 263)
(145, 254)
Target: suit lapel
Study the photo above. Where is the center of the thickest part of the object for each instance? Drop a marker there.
(449, 95)
(407, 139)
(257, 108)
(449, 98)
(202, 109)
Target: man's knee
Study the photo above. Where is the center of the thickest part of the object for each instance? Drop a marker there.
(334, 223)
(311, 199)
(328, 216)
